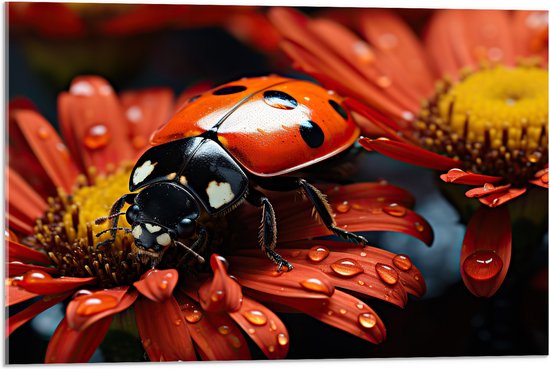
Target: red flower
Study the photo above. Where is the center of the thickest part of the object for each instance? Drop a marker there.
(181, 309)
(485, 123)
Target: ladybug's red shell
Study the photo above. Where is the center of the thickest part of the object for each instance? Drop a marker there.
(270, 125)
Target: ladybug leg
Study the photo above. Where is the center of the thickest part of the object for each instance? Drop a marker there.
(114, 214)
(198, 245)
(268, 229)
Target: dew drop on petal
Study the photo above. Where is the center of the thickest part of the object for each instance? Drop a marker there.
(482, 265)
(343, 207)
(134, 114)
(360, 306)
(178, 322)
(419, 226)
(235, 341)
(95, 304)
(488, 187)
(395, 210)
(315, 285)
(63, 150)
(282, 339)
(271, 348)
(367, 320)
(97, 137)
(272, 325)
(318, 253)
(387, 273)
(346, 267)
(192, 315)
(33, 276)
(383, 81)
(43, 133)
(217, 295)
(224, 330)
(80, 293)
(251, 331)
(402, 262)
(255, 317)
(343, 311)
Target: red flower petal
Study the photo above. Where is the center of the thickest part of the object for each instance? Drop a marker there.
(48, 148)
(486, 251)
(264, 327)
(409, 153)
(215, 334)
(23, 201)
(157, 285)
(221, 293)
(541, 178)
(487, 189)
(500, 198)
(17, 320)
(90, 307)
(44, 284)
(376, 191)
(163, 334)
(16, 268)
(93, 123)
(459, 176)
(16, 295)
(18, 224)
(70, 346)
(261, 274)
(18, 252)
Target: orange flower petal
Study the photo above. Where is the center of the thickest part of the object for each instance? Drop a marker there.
(221, 293)
(530, 32)
(17, 320)
(486, 251)
(90, 307)
(44, 284)
(70, 346)
(93, 123)
(264, 327)
(500, 198)
(215, 334)
(409, 153)
(16, 268)
(487, 189)
(157, 285)
(163, 334)
(18, 252)
(381, 192)
(23, 201)
(459, 176)
(20, 225)
(16, 295)
(541, 178)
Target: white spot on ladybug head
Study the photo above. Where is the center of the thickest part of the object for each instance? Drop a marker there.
(171, 176)
(164, 239)
(137, 231)
(142, 172)
(219, 194)
(183, 180)
(152, 228)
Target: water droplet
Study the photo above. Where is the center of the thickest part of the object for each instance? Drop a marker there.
(43, 132)
(33, 276)
(482, 265)
(360, 283)
(330, 313)
(367, 320)
(402, 262)
(224, 330)
(255, 317)
(146, 343)
(315, 285)
(346, 267)
(82, 89)
(383, 81)
(343, 207)
(96, 303)
(386, 273)
(488, 187)
(217, 295)
(178, 322)
(363, 52)
(63, 150)
(80, 293)
(419, 226)
(272, 325)
(343, 311)
(363, 254)
(235, 341)
(395, 210)
(192, 315)
(271, 348)
(97, 137)
(359, 306)
(134, 114)
(282, 339)
(318, 253)
(251, 330)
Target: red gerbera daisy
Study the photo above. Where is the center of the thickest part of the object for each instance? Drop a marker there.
(485, 121)
(183, 310)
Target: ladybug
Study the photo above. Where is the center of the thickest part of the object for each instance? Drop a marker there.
(222, 148)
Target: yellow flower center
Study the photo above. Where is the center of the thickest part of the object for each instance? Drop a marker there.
(493, 120)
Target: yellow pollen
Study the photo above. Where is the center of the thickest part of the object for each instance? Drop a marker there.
(500, 106)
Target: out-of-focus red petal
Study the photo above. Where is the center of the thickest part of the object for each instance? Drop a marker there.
(94, 124)
(164, 336)
(44, 284)
(146, 110)
(17, 320)
(48, 148)
(215, 334)
(19, 224)
(487, 189)
(88, 308)
(261, 274)
(459, 176)
(381, 192)
(254, 29)
(500, 198)
(16, 295)
(486, 250)
(409, 153)
(530, 31)
(18, 252)
(221, 293)
(541, 178)
(23, 202)
(16, 268)
(264, 327)
(157, 285)
(70, 346)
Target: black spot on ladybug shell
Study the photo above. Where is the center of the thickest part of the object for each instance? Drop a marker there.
(229, 90)
(312, 134)
(279, 100)
(339, 109)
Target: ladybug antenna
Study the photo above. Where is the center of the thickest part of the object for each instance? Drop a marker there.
(102, 220)
(199, 258)
(127, 230)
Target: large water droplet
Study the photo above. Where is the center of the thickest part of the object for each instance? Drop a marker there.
(482, 265)
(343, 207)
(419, 226)
(318, 253)
(346, 267)
(402, 262)
(217, 295)
(488, 187)
(315, 285)
(224, 330)
(34, 276)
(97, 137)
(367, 320)
(386, 273)
(134, 114)
(395, 210)
(282, 339)
(96, 303)
(255, 317)
(192, 315)
(43, 132)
